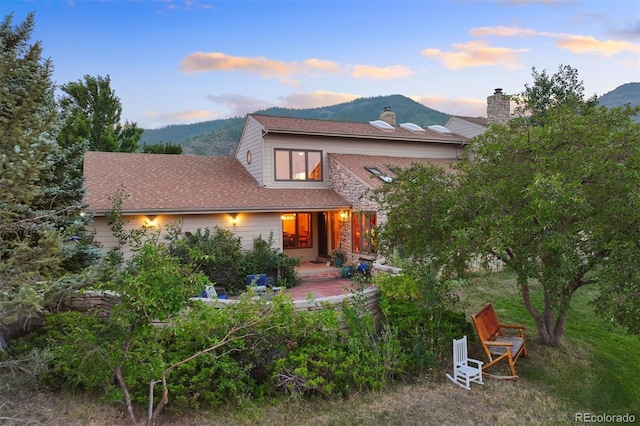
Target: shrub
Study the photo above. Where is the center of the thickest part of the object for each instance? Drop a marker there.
(222, 251)
(263, 258)
(417, 305)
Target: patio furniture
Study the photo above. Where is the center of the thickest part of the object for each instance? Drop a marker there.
(465, 369)
(498, 345)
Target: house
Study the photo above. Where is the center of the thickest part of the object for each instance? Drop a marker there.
(303, 180)
(498, 111)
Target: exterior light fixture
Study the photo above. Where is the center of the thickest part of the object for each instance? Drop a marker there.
(343, 215)
(234, 218)
(151, 221)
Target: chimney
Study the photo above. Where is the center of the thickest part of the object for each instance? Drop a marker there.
(388, 116)
(498, 108)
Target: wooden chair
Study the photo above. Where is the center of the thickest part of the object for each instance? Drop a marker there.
(496, 344)
(465, 370)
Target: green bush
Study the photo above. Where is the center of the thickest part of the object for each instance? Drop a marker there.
(327, 360)
(417, 305)
(224, 262)
(264, 259)
(222, 255)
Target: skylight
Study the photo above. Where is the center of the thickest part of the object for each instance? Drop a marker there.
(376, 172)
(412, 127)
(440, 129)
(382, 125)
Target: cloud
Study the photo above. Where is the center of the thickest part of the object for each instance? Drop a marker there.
(588, 44)
(315, 99)
(199, 62)
(465, 106)
(239, 105)
(575, 43)
(378, 73)
(501, 31)
(181, 117)
(202, 62)
(476, 54)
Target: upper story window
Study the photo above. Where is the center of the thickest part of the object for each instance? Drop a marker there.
(292, 164)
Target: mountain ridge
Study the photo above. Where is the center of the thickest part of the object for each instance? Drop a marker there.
(220, 137)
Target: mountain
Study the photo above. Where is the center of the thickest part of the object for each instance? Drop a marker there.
(220, 137)
(626, 94)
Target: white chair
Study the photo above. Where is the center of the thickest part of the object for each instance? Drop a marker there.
(463, 372)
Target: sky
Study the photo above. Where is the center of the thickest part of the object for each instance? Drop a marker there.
(187, 61)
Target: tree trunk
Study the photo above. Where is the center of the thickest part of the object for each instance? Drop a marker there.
(550, 328)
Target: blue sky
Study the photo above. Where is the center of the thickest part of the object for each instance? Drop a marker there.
(177, 61)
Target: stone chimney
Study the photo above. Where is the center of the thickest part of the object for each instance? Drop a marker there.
(388, 116)
(498, 108)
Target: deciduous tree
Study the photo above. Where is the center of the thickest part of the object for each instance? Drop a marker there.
(554, 194)
(93, 113)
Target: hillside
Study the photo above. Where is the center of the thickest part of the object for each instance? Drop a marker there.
(220, 137)
(626, 94)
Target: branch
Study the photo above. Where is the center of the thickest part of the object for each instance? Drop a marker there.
(36, 218)
(225, 340)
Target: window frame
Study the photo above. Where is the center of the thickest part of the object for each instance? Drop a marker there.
(359, 242)
(295, 242)
(291, 152)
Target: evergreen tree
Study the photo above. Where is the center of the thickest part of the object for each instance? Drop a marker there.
(39, 206)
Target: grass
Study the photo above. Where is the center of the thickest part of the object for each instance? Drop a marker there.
(594, 369)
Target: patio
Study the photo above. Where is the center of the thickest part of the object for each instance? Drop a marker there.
(320, 280)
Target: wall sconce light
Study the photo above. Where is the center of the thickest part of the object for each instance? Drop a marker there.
(234, 218)
(151, 221)
(343, 215)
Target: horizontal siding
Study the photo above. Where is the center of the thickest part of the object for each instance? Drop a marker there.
(346, 146)
(252, 141)
(465, 128)
(248, 227)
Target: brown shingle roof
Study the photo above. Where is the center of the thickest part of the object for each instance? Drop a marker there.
(350, 129)
(189, 183)
(356, 164)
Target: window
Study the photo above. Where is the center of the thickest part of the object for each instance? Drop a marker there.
(364, 225)
(376, 172)
(293, 164)
(296, 230)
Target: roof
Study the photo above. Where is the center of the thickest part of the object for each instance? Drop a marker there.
(357, 164)
(482, 121)
(163, 183)
(275, 124)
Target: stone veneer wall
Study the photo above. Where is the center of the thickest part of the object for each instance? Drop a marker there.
(498, 108)
(356, 193)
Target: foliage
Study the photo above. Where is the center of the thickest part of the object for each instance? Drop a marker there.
(263, 258)
(162, 148)
(339, 254)
(223, 265)
(92, 112)
(325, 359)
(555, 196)
(227, 264)
(418, 305)
(42, 235)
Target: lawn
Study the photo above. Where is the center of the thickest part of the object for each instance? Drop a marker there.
(594, 370)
